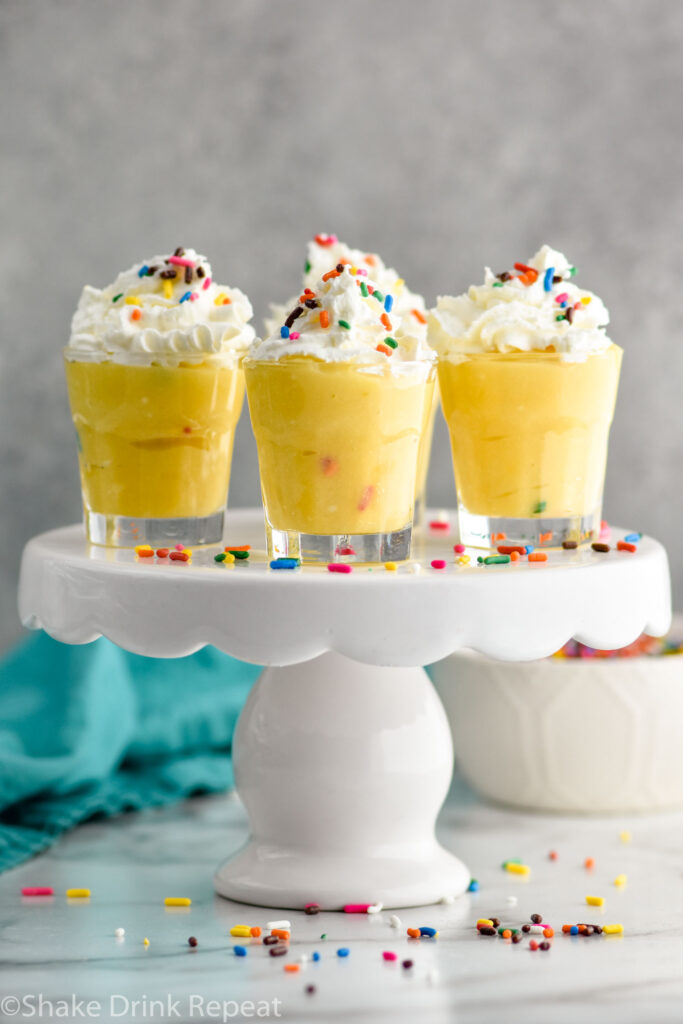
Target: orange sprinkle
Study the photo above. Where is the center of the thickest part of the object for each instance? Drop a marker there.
(136, 314)
(281, 933)
(309, 292)
(227, 301)
(507, 934)
(548, 932)
(623, 545)
(589, 863)
(255, 931)
(386, 321)
(238, 547)
(384, 348)
(544, 537)
(329, 465)
(566, 928)
(292, 968)
(582, 928)
(329, 274)
(499, 536)
(324, 318)
(344, 261)
(514, 556)
(420, 317)
(538, 556)
(414, 933)
(370, 260)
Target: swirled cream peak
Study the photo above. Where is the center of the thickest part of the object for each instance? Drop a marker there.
(169, 304)
(325, 251)
(347, 317)
(535, 306)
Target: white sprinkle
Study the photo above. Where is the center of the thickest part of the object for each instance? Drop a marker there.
(304, 958)
(395, 921)
(119, 932)
(432, 977)
(374, 908)
(537, 929)
(512, 901)
(278, 924)
(447, 899)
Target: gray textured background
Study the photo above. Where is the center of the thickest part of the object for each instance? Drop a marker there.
(444, 135)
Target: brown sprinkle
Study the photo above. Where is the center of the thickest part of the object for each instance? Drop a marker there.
(569, 545)
(600, 547)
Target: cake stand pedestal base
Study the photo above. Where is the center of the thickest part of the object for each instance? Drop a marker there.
(342, 768)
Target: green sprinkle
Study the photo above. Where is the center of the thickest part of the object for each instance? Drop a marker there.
(219, 558)
(117, 297)
(497, 284)
(364, 289)
(391, 343)
(572, 271)
(497, 560)
(307, 266)
(540, 507)
(324, 935)
(480, 560)
(560, 316)
(239, 554)
(345, 324)
(378, 295)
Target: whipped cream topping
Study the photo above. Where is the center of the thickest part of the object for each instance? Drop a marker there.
(347, 317)
(325, 251)
(169, 304)
(534, 307)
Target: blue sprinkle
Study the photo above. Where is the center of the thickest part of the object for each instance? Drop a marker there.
(142, 272)
(185, 297)
(574, 930)
(284, 332)
(284, 563)
(529, 548)
(315, 956)
(388, 303)
(548, 279)
(563, 305)
(473, 886)
(430, 932)
(240, 950)
(343, 951)
(633, 538)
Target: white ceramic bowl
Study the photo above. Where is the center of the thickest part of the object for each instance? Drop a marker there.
(569, 735)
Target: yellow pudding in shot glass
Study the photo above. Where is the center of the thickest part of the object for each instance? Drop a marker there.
(156, 386)
(409, 314)
(338, 402)
(528, 381)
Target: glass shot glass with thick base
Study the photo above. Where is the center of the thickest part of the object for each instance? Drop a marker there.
(338, 451)
(155, 438)
(529, 435)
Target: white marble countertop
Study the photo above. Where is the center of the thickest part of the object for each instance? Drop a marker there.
(66, 950)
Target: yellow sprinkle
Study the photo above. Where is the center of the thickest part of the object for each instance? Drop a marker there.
(621, 880)
(133, 300)
(595, 901)
(354, 270)
(464, 560)
(218, 301)
(145, 941)
(625, 836)
(78, 894)
(241, 930)
(398, 284)
(518, 869)
(177, 901)
(485, 921)
(229, 557)
(585, 299)
(613, 929)
(142, 547)
(390, 566)
(168, 289)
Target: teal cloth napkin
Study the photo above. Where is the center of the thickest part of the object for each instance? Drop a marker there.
(92, 730)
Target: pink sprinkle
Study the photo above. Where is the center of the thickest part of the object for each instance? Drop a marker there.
(388, 955)
(362, 273)
(180, 547)
(366, 498)
(605, 529)
(38, 890)
(206, 284)
(439, 524)
(338, 567)
(181, 261)
(564, 297)
(294, 335)
(357, 908)
(194, 296)
(438, 563)
(459, 549)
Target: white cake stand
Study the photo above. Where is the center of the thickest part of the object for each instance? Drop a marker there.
(342, 753)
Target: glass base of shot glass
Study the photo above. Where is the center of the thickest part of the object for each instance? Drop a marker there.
(540, 531)
(323, 548)
(129, 531)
